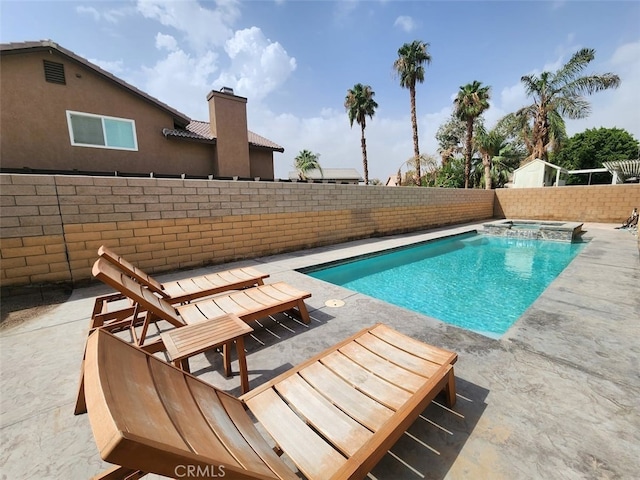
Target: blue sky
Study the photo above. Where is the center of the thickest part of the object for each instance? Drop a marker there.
(295, 60)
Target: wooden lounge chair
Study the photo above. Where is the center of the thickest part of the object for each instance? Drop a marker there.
(188, 289)
(334, 416)
(248, 304)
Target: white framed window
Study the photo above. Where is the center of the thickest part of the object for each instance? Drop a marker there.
(100, 131)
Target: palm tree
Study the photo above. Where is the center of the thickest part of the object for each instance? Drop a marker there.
(471, 102)
(359, 103)
(556, 95)
(500, 156)
(490, 144)
(409, 66)
(306, 161)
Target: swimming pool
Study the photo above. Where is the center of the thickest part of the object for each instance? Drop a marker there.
(477, 282)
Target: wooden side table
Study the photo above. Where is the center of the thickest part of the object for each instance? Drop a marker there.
(184, 342)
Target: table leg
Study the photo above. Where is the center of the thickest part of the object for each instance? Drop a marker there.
(242, 362)
(226, 355)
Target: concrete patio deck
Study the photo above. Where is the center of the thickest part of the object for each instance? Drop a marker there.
(556, 397)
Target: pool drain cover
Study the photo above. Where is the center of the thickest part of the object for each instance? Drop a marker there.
(333, 303)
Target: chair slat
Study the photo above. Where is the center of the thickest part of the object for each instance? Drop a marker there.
(432, 353)
(121, 395)
(382, 391)
(400, 357)
(185, 414)
(377, 365)
(241, 420)
(341, 430)
(218, 419)
(359, 406)
(295, 437)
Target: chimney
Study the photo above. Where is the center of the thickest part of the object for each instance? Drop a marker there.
(228, 120)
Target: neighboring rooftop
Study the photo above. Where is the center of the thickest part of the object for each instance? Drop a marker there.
(337, 175)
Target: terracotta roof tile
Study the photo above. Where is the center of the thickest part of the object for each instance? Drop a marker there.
(198, 130)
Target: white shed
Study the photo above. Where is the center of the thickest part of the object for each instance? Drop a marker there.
(538, 173)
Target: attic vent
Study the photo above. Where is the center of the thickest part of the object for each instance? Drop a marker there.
(54, 72)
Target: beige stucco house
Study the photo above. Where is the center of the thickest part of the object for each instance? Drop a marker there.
(61, 113)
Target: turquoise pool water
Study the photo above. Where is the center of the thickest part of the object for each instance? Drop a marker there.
(480, 283)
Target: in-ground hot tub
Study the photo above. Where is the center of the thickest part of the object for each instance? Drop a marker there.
(535, 229)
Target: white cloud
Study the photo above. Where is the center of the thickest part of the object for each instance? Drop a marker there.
(258, 66)
(182, 81)
(112, 15)
(88, 11)
(115, 67)
(406, 23)
(211, 56)
(343, 9)
(513, 98)
(166, 41)
(202, 27)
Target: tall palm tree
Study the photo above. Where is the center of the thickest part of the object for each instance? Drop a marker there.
(409, 66)
(560, 94)
(471, 102)
(359, 103)
(306, 161)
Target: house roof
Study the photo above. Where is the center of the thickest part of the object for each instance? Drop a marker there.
(198, 130)
(45, 45)
(330, 174)
(193, 129)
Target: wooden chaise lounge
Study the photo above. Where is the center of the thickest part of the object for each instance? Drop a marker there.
(334, 416)
(188, 289)
(248, 304)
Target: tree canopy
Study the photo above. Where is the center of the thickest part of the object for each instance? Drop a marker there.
(592, 147)
(557, 95)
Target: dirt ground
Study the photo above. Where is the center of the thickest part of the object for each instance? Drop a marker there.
(17, 307)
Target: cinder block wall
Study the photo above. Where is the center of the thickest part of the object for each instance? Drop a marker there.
(52, 226)
(587, 203)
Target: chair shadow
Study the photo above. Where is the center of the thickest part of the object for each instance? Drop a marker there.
(434, 441)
